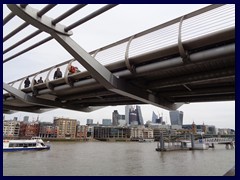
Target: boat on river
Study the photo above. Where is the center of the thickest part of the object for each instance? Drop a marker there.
(33, 144)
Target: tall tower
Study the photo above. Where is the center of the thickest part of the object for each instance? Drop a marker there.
(127, 108)
(204, 129)
(154, 117)
(139, 115)
(194, 128)
(133, 120)
(176, 117)
(133, 115)
(115, 118)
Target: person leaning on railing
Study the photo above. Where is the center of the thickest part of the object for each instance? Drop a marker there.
(72, 70)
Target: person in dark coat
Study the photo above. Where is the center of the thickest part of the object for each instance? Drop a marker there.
(26, 83)
(57, 74)
(40, 80)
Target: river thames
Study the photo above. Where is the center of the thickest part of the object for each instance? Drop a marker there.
(117, 159)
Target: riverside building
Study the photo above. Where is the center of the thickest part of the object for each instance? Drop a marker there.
(11, 128)
(67, 127)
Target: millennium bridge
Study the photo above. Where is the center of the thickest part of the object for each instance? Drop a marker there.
(185, 60)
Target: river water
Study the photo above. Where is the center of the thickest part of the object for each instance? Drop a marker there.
(117, 159)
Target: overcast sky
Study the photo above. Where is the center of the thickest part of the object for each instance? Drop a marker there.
(120, 22)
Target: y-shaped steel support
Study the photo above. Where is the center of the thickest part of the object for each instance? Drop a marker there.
(43, 102)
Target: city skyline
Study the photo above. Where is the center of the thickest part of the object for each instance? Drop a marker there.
(147, 115)
(221, 114)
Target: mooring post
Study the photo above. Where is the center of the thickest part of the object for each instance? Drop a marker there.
(192, 140)
(161, 142)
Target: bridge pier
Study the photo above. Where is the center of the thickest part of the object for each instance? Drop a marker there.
(212, 146)
(227, 146)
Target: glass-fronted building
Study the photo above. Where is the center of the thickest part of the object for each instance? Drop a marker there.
(176, 117)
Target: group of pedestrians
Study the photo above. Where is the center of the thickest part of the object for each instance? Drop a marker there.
(27, 82)
(57, 75)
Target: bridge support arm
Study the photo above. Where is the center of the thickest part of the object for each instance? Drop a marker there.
(42, 102)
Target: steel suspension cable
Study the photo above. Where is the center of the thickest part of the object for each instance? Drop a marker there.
(28, 49)
(45, 9)
(68, 13)
(90, 16)
(8, 18)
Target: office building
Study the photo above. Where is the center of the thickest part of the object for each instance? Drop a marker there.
(25, 119)
(89, 121)
(67, 127)
(28, 130)
(111, 132)
(154, 117)
(141, 132)
(82, 131)
(107, 122)
(133, 115)
(11, 128)
(48, 130)
(118, 119)
(127, 108)
(115, 118)
(159, 120)
(139, 115)
(176, 117)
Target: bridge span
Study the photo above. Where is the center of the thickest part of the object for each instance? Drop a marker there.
(188, 59)
(217, 140)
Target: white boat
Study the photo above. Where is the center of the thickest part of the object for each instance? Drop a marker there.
(146, 140)
(34, 144)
